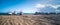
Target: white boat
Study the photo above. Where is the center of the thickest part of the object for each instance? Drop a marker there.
(10, 13)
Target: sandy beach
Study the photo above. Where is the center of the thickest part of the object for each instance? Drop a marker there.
(29, 19)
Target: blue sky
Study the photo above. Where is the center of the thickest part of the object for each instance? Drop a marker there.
(29, 6)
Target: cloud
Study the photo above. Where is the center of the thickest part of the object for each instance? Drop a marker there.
(57, 10)
(46, 5)
(55, 6)
(39, 6)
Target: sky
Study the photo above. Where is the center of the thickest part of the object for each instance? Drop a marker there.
(29, 6)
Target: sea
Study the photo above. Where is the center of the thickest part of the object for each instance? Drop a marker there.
(17, 13)
(28, 13)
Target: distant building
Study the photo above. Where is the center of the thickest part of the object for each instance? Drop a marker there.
(14, 13)
(36, 13)
(21, 12)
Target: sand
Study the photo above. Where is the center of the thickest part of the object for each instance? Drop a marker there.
(29, 19)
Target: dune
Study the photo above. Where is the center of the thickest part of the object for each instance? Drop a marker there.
(29, 20)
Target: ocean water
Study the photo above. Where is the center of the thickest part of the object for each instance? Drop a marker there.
(17, 13)
(28, 13)
(3, 13)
